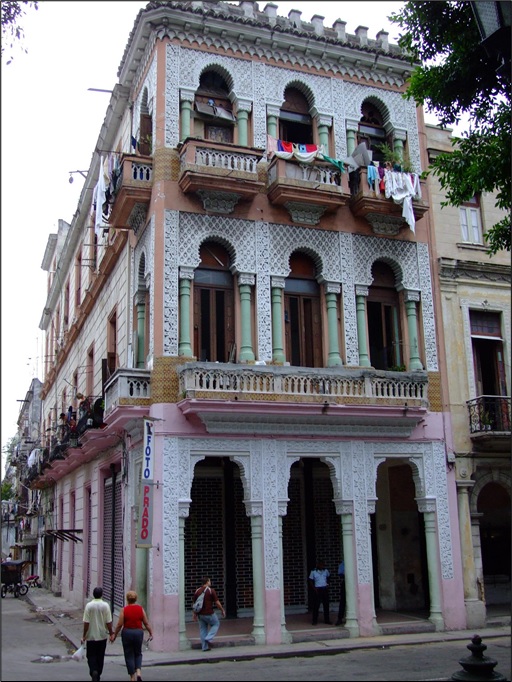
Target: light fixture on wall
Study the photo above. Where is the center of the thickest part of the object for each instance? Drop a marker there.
(71, 173)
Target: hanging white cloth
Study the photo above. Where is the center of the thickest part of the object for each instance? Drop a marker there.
(403, 188)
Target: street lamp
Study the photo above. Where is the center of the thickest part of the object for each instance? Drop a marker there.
(71, 173)
(493, 20)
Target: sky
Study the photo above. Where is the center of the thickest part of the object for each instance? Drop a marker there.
(50, 122)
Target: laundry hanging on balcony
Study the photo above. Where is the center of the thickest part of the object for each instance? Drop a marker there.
(306, 153)
(403, 188)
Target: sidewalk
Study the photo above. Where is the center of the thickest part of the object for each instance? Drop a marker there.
(68, 619)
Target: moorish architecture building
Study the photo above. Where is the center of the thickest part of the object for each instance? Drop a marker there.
(245, 367)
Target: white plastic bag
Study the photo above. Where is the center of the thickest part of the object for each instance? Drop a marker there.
(79, 654)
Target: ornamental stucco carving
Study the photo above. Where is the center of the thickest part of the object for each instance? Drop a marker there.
(171, 283)
(427, 308)
(170, 512)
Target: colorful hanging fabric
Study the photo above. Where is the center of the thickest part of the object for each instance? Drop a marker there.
(335, 162)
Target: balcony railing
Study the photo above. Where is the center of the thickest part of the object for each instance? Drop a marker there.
(133, 187)
(127, 387)
(369, 202)
(489, 413)
(297, 186)
(204, 380)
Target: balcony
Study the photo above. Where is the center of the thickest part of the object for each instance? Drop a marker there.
(489, 422)
(296, 401)
(133, 189)
(384, 215)
(127, 395)
(221, 174)
(306, 190)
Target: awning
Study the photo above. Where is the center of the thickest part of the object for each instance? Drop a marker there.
(66, 534)
(215, 111)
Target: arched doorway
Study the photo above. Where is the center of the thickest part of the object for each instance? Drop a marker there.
(311, 532)
(494, 505)
(218, 536)
(398, 542)
(214, 326)
(302, 313)
(384, 323)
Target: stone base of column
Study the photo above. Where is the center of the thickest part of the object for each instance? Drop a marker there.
(437, 619)
(352, 626)
(258, 632)
(286, 635)
(475, 613)
(184, 642)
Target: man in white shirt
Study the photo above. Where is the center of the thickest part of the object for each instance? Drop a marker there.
(97, 625)
(319, 581)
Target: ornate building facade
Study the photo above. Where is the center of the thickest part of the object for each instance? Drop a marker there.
(244, 328)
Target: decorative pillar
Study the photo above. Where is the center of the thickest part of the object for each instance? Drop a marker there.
(323, 122)
(399, 138)
(286, 636)
(352, 128)
(186, 101)
(243, 108)
(361, 294)
(245, 282)
(184, 346)
(278, 354)
(427, 507)
(183, 510)
(141, 328)
(347, 536)
(331, 292)
(272, 120)
(254, 511)
(475, 607)
(411, 298)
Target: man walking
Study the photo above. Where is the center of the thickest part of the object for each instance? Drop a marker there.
(319, 581)
(208, 620)
(97, 625)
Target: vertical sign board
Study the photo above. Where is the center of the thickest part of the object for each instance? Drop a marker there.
(145, 526)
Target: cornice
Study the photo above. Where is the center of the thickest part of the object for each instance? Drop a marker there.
(453, 269)
(225, 28)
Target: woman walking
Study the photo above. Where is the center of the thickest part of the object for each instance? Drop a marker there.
(131, 620)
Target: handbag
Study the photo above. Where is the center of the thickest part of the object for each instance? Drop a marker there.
(79, 654)
(198, 604)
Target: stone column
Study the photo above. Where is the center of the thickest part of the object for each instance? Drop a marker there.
(475, 607)
(184, 346)
(331, 292)
(255, 510)
(352, 128)
(362, 340)
(323, 122)
(411, 298)
(399, 138)
(245, 282)
(183, 639)
(272, 120)
(286, 636)
(278, 354)
(347, 534)
(243, 109)
(186, 102)
(427, 507)
(141, 328)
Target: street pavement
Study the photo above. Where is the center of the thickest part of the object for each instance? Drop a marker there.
(65, 621)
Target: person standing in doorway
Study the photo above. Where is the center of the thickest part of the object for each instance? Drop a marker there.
(97, 624)
(208, 620)
(319, 581)
(343, 596)
(132, 621)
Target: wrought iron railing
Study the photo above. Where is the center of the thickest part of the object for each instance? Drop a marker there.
(489, 413)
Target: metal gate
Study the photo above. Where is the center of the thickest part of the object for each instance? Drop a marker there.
(113, 565)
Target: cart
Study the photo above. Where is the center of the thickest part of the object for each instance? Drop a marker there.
(12, 580)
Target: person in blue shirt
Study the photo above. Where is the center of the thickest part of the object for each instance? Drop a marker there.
(319, 581)
(343, 597)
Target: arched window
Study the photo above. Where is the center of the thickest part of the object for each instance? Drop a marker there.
(295, 123)
(146, 127)
(371, 130)
(384, 329)
(214, 326)
(302, 314)
(214, 119)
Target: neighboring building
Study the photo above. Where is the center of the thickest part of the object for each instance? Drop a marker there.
(25, 457)
(475, 295)
(271, 314)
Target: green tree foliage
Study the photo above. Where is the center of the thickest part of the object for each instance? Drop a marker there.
(7, 490)
(11, 30)
(456, 77)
